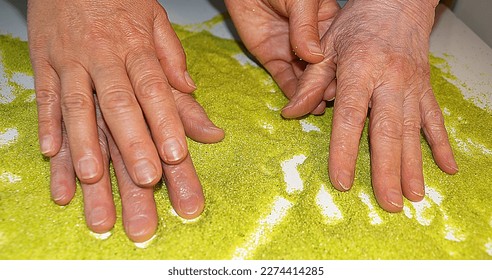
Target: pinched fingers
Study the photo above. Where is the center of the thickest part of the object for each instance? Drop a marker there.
(311, 88)
(285, 73)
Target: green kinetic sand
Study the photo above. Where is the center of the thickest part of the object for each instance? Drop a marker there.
(252, 211)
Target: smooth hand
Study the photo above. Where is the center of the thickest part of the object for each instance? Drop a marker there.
(376, 52)
(284, 35)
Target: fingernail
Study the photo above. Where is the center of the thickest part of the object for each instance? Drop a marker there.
(87, 168)
(58, 194)
(394, 198)
(189, 80)
(138, 225)
(145, 171)
(453, 166)
(173, 151)
(46, 144)
(98, 216)
(416, 188)
(190, 205)
(314, 49)
(344, 180)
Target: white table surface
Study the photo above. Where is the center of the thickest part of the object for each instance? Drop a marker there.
(469, 57)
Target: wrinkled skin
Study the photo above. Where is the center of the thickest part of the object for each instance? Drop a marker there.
(128, 53)
(375, 61)
(139, 209)
(283, 35)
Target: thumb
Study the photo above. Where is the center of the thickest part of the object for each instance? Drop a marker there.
(304, 34)
(313, 84)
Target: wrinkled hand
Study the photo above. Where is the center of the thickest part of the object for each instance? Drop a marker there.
(129, 54)
(139, 209)
(281, 32)
(378, 53)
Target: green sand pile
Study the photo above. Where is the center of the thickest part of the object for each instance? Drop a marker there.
(251, 212)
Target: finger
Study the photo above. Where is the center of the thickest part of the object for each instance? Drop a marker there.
(436, 134)
(184, 188)
(124, 118)
(320, 109)
(310, 89)
(304, 34)
(284, 75)
(171, 54)
(99, 209)
(349, 115)
(330, 91)
(313, 84)
(196, 123)
(47, 87)
(62, 176)
(385, 134)
(80, 122)
(138, 205)
(157, 101)
(412, 178)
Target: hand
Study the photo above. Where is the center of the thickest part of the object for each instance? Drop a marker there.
(378, 52)
(139, 209)
(129, 54)
(279, 32)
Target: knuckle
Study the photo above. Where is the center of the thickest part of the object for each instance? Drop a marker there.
(388, 127)
(167, 125)
(352, 116)
(411, 125)
(117, 100)
(152, 88)
(434, 117)
(46, 97)
(135, 143)
(76, 103)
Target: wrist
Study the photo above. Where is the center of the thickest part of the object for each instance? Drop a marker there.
(421, 12)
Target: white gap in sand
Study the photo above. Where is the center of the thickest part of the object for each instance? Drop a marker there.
(9, 136)
(291, 174)
(420, 208)
(265, 227)
(488, 247)
(407, 212)
(6, 95)
(273, 107)
(327, 206)
(373, 215)
(8, 177)
(308, 127)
